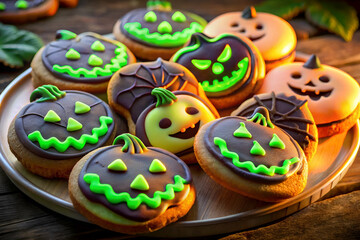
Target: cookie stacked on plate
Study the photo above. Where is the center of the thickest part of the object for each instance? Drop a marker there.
(165, 81)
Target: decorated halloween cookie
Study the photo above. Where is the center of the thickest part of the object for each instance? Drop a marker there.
(80, 62)
(130, 188)
(288, 113)
(252, 156)
(157, 31)
(49, 135)
(333, 95)
(129, 91)
(228, 67)
(22, 11)
(173, 122)
(273, 36)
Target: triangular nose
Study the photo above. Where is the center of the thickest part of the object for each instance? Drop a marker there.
(310, 84)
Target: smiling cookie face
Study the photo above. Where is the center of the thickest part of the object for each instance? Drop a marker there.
(221, 65)
(274, 37)
(84, 58)
(141, 183)
(173, 123)
(331, 93)
(254, 148)
(160, 27)
(60, 125)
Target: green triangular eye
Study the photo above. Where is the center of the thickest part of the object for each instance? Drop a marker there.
(52, 116)
(72, 54)
(257, 149)
(178, 17)
(21, 4)
(140, 183)
(98, 46)
(201, 64)
(95, 61)
(73, 125)
(150, 17)
(81, 107)
(226, 54)
(157, 166)
(276, 142)
(117, 165)
(242, 132)
(164, 27)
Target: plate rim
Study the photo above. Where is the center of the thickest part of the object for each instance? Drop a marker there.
(66, 208)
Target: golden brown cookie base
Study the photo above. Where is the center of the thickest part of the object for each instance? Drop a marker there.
(41, 75)
(69, 3)
(47, 168)
(47, 9)
(329, 129)
(292, 186)
(275, 63)
(141, 51)
(87, 208)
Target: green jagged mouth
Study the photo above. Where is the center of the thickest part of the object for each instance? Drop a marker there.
(93, 180)
(116, 63)
(250, 166)
(164, 40)
(78, 144)
(227, 82)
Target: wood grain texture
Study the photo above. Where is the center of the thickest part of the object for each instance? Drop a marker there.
(22, 218)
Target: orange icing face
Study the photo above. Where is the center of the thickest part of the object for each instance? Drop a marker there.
(331, 93)
(273, 36)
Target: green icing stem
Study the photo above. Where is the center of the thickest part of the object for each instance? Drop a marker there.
(96, 187)
(165, 40)
(163, 96)
(78, 144)
(227, 82)
(115, 64)
(46, 93)
(132, 144)
(250, 166)
(259, 118)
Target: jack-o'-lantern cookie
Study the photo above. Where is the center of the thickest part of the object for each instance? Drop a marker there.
(173, 121)
(252, 157)
(228, 67)
(288, 113)
(129, 91)
(22, 11)
(83, 62)
(333, 96)
(50, 134)
(273, 36)
(130, 188)
(157, 31)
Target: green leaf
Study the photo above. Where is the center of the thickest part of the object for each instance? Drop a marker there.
(285, 9)
(337, 17)
(17, 46)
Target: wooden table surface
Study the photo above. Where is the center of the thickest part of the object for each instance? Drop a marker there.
(22, 218)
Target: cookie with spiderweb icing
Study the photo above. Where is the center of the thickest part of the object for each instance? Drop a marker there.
(289, 113)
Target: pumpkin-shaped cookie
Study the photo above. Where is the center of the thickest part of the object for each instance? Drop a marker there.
(173, 122)
(129, 91)
(157, 31)
(273, 36)
(57, 128)
(333, 96)
(23, 11)
(288, 113)
(228, 67)
(130, 188)
(252, 156)
(79, 62)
